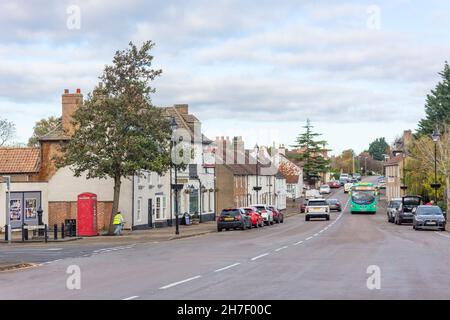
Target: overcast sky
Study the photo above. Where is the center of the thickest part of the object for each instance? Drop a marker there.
(359, 70)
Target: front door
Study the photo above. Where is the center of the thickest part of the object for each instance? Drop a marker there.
(150, 213)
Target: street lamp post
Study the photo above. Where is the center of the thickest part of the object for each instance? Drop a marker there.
(173, 125)
(435, 136)
(8, 201)
(257, 188)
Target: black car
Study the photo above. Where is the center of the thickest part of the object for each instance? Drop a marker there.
(234, 219)
(405, 212)
(428, 217)
(334, 204)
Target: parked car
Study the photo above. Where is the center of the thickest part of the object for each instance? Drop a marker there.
(428, 217)
(317, 208)
(255, 217)
(404, 213)
(392, 208)
(334, 204)
(324, 189)
(348, 187)
(265, 212)
(234, 218)
(334, 184)
(344, 178)
(381, 183)
(278, 216)
(312, 193)
(357, 176)
(303, 206)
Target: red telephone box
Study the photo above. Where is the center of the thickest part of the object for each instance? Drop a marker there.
(87, 214)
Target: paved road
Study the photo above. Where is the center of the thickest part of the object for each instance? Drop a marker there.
(294, 260)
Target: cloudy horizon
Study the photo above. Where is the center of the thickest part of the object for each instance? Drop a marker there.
(359, 69)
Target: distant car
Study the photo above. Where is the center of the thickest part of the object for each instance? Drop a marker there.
(428, 217)
(317, 208)
(353, 180)
(344, 178)
(278, 216)
(334, 184)
(334, 204)
(255, 217)
(357, 176)
(265, 212)
(393, 206)
(233, 219)
(324, 189)
(312, 193)
(348, 187)
(404, 212)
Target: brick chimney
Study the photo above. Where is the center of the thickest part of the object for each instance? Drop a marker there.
(182, 108)
(70, 103)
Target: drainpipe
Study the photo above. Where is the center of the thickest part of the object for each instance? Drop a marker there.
(132, 203)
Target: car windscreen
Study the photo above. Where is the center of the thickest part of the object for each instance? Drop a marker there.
(332, 201)
(260, 207)
(428, 211)
(363, 197)
(230, 213)
(395, 204)
(317, 203)
(412, 201)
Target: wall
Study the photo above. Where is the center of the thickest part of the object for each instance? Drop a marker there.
(392, 182)
(64, 187)
(225, 186)
(21, 187)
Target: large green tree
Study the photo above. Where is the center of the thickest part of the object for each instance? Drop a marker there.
(41, 128)
(378, 148)
(7, 131)
(311, 153)
(437, 106)
(119, 132)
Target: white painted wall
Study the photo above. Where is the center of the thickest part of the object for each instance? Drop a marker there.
(63, 186)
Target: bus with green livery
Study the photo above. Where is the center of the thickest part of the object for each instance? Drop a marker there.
(363, 198)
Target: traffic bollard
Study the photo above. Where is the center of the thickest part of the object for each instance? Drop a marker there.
(6, 232)
(55, 231)
(46, 233)
(62, 231)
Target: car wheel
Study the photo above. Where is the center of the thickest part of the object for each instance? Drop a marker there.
(328, 218)
(306, 218)
(219, 229)
(282, 220)
(278, 220)
(228, 229)
(244, 226)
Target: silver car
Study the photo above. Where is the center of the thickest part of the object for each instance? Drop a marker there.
(392, 208)
(428, 217)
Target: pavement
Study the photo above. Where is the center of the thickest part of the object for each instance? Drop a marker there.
(352, 256)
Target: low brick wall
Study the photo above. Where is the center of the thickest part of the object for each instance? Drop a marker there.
(58, 212)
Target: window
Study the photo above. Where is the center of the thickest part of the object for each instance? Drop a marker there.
(149, 178)
(139, 209)
(160, 207)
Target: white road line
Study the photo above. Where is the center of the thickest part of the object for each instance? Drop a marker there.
(260, 256)
(297, 243)
(131, 298)
(54, 249)
(309, 238)
(321, 230)
(228, 267)
(179, 282)
(281, 248)
(442, 235)
(316, 234)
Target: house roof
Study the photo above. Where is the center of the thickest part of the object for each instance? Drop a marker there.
(19, 160)
(56, 134)
(394, 160)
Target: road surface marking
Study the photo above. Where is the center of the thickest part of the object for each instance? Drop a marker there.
(131, 298)
(282, 248)
(309, 238)
(321, 230)
(54, 249)
(228, 267)
(297, 243)
(316, 234)
(260, 256)
(179, 282)
(442, 235)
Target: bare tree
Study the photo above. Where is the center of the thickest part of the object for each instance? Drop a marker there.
(7, 131)
(424, 153)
